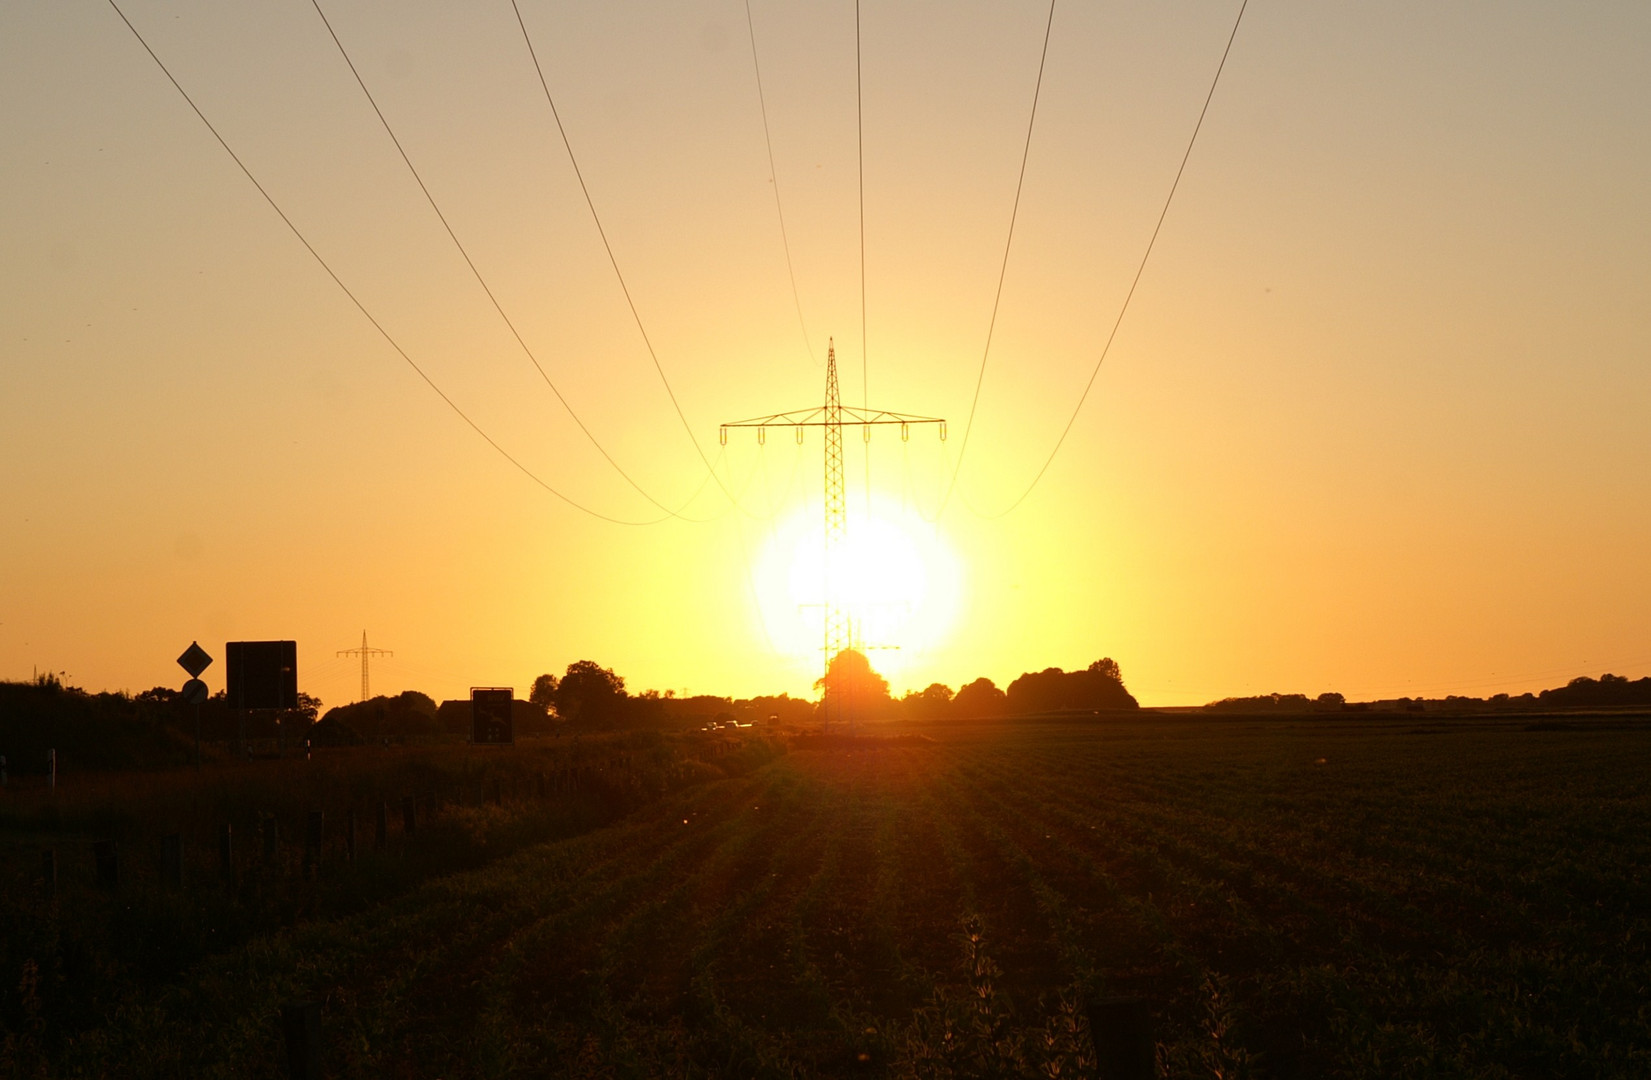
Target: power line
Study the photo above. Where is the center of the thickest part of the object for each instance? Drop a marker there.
(837, 626)
(475, 272)
(612, 259)
(1139, 270)
(774, 179)
(385, 334)
(860, 160)
(1003, 269)
(365, 653)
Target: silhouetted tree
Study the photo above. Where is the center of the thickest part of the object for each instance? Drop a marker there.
(408, 713)
(590, 694)
(1264, 703)
(1107, 667)
(1100, 686)
(979, 698)
(1608, 689)
(932, 701)
(852, 684)
(543, 693)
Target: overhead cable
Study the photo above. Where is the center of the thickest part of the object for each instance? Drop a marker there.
(774, 179)
(385, 334)
(475, 272)
(860, 164)
(612, 259)
(1124, 308)
(1003, 268)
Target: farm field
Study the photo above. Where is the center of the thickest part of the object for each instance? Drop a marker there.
(1293, 898)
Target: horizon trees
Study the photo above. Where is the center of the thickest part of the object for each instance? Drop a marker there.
(979, 698)
(851, 681)
(589, 693)
(1099, 686)
(543, 693)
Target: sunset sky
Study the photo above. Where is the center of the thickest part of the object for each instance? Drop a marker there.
(1376, 420)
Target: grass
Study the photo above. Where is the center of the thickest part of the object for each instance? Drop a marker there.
(1294, 898)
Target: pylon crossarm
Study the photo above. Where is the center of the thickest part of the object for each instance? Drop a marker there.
(816, 418)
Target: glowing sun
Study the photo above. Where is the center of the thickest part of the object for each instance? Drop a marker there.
(896, 576)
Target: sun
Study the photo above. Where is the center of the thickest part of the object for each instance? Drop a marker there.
(895, 574)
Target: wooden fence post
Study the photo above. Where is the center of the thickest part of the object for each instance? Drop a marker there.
(226, 855)
(108, 864)
(301, 1027)
(172, 860)
(314, 830)
(1122, 1031)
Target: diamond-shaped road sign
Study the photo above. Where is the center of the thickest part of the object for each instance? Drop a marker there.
(194, 659)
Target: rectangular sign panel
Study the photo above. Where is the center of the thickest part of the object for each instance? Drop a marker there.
(490, 715)
(262, 674)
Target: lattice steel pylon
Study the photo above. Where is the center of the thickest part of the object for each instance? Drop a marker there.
(364, 653)
(836, 628)
(837, 623)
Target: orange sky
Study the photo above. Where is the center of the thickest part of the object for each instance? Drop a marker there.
(1375, 421)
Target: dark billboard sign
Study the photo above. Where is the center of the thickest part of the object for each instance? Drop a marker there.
(491, 721)
(262, 674)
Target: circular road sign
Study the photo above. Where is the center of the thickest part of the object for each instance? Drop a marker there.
(194, 692)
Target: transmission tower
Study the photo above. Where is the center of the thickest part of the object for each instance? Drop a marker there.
(364, 653)
(837, 629)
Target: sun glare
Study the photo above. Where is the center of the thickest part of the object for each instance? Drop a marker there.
(895, 574)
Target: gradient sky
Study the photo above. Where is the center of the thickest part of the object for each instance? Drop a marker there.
(1376, 421)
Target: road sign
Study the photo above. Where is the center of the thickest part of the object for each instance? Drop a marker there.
(490, 715)
(194, 692)
(195, 660)
(262, 674)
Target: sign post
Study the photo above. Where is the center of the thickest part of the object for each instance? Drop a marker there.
(491, 719)
(195, 660)
(261, 675)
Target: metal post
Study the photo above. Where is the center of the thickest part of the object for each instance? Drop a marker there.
(172, 860)
(381, 830)
(48, 873)
(349, 836)
(51, 771)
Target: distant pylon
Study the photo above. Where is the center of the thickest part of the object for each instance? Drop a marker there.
(364, 653)
(837, 628)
